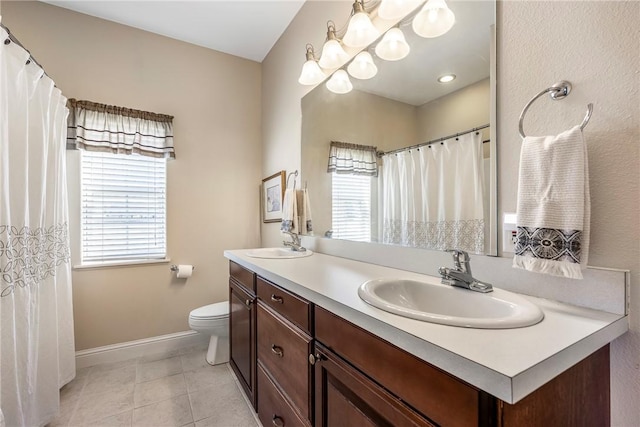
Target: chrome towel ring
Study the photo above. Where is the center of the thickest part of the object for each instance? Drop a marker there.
(557, 91)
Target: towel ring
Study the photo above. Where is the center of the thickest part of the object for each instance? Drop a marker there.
(295, 175)
(558, 91)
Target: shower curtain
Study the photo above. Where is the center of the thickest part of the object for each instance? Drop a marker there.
(432, 197)
(36, 327)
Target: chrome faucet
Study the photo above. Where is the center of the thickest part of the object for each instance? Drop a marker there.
(294, 244)
(460, 274)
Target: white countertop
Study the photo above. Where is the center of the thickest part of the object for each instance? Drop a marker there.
(507, 363)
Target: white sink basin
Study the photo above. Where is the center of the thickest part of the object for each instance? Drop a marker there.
(278, 253)
(449, 305)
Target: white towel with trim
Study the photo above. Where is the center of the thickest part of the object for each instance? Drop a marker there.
(554, 205)
(304, 209)
(290, 212)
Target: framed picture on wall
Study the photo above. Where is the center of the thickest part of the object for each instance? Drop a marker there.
(272, 195)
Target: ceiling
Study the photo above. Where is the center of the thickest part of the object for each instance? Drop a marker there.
(243, 28)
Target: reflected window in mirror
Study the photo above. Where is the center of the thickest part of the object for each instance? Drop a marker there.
(351, 207)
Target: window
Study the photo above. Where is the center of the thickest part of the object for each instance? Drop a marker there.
(351, 207)
(123, 202)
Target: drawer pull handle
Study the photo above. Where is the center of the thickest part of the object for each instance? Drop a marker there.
(278, 421)
(277, 299)
(315, 358)
(277, 350)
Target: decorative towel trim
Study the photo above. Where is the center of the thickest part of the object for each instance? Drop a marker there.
(549, 243)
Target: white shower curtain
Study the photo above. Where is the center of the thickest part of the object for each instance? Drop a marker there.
(432, 197)
(36, 328)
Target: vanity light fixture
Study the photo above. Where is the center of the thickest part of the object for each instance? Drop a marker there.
(360, 31)
(434, 19)
(339, 82)
(311, 72)
(333, 55)
(362, 67)
(396, 9)
(393, 45)
(447, 78)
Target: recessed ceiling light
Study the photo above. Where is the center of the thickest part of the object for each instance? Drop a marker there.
(447, 78)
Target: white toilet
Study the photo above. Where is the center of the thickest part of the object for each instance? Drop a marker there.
(213, 320)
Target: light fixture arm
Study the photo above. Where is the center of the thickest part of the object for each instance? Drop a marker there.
(331, 31)
(311, 56)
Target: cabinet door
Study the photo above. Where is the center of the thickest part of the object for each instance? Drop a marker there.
(242, 338)
(345, 397)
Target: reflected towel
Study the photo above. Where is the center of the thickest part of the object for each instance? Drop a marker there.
(304, 211)
(553, 205)
(290, 212)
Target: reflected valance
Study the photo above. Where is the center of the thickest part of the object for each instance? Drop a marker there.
(354, 159)
(119, 130)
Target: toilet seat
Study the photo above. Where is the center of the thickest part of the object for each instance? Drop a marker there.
(219, 310)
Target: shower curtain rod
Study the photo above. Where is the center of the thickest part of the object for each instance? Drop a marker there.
(399, 150)
(13, 39)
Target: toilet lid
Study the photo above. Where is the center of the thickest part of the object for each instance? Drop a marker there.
(219, 309)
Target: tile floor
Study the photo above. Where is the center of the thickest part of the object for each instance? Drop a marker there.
(170, 389)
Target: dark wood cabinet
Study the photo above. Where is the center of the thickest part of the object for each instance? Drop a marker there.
(242, 331)
(284, 346)
(346, 397)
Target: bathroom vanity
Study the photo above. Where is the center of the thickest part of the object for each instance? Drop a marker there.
(308, 352)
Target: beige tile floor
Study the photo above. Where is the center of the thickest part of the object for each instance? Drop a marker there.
(171, 389)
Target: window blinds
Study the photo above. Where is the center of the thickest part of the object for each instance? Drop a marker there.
(123, 212)
(351, 207)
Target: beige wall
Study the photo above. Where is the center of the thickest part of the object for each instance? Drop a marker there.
(595, 45)
(213, 185)
(463, 109)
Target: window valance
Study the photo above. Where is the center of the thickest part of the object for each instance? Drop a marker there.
(119, 130)
(354, 159)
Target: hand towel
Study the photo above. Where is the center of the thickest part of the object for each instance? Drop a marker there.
(290, 212)
(304, 211)
(554, 205)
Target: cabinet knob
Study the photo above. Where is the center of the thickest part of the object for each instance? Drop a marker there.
(313, 358)
(277, 299)
(277, 350)
(247, 302)
(278, 421)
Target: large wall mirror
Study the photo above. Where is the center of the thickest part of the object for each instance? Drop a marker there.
(439, 195)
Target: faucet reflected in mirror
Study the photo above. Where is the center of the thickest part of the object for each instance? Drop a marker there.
(294, 244)
(402, 107)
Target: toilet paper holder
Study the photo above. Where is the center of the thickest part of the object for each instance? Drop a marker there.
(174, 267)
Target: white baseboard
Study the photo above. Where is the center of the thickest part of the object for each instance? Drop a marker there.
(132, 349)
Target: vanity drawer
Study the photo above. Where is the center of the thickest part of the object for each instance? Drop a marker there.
(285, 303)
(243, 276)
(436, 394)
(273, 408)
(284, 352)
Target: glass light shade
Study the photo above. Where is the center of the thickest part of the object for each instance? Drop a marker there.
(360, 31)
(333, 55)
(311, 73)
(393, 46)
(434, 19)
(339, 82)
(396, 9)
(362, 66)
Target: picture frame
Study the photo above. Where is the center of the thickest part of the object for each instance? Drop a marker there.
(272, 197)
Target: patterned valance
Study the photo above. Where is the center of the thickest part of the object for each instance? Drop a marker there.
(118, 130)
(353, 159)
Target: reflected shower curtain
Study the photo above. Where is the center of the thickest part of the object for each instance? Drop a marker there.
(432, 197)
(36, 328)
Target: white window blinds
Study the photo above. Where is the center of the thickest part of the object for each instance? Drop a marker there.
(123, 207)
(351, 207)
